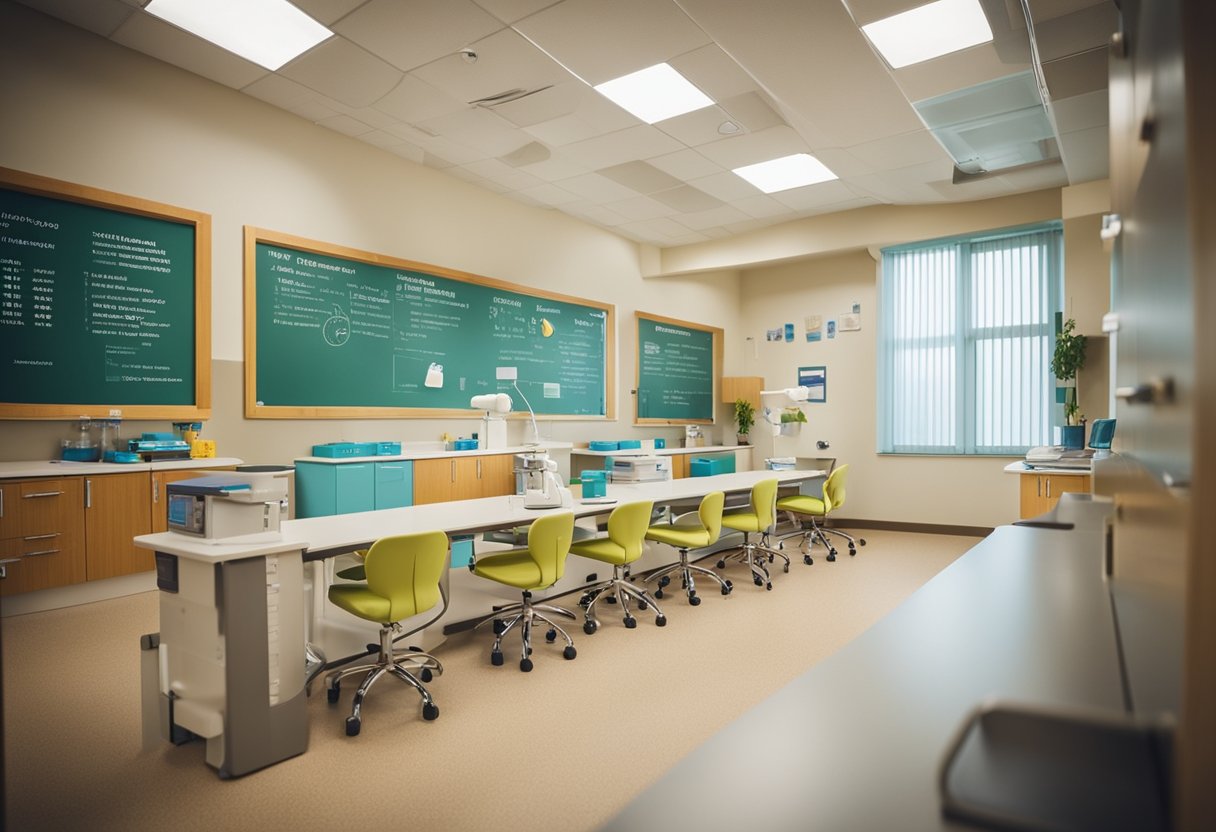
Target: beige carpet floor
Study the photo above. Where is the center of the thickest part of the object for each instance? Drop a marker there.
(562, 748)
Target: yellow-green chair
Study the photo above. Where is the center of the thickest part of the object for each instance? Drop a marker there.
(808, 510)
(539, 566)
(690, 532)
(627, 526)
(757, 518)
(403, 580)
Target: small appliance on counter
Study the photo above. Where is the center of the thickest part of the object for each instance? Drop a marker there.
(694, 436)
(541, 486)
(221, 506)
(346, 450)
(81, 447)
(153, 447)
(640, 468)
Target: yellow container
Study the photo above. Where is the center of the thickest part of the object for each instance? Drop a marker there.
(202, 449)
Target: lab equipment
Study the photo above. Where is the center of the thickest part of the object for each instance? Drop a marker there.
(542, 488)
(641, 468)
(154, 446)
(694, 437)
(494, 423)
(221, 506)
(82, 447)
(344, 450)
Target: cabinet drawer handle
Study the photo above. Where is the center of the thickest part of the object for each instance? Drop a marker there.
(1038, 486)
(453, 470)
(9, 560)
(41, 494)
(88, 493)
(42, 552)
(479, 469)
(42, 536)
(1049, 487)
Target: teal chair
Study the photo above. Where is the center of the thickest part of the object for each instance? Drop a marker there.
(539, 566)
(690, 532)
(403, 576)
(814, 509)
(626, 540)
(757, 519)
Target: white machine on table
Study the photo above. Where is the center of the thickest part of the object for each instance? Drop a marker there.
(494, 423)
(541, 486)
(219, 507)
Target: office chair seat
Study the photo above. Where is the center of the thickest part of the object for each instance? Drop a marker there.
(516, 568)
(757, 518)
(697, 534)
(813, 509)
(624, 544)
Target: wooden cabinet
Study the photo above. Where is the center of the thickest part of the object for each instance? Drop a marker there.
(742, 387)
(41, 534)
(1041, 491)
(117, 508)
(462, 478)
(160, 517)
(679, 466)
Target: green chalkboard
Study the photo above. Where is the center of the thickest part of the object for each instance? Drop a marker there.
(679, 364)
(342, 333)
(100, 297)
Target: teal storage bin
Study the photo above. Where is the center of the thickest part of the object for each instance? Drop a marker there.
(708, 466)
(660, 443)
(462, 551)
(595, 484)
(629, 444)
(599, 445)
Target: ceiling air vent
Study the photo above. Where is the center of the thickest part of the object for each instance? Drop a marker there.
(491, 101)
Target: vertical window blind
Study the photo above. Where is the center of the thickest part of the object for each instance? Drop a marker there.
(965, 343)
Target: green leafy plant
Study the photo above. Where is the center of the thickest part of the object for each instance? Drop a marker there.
(792, 414)
(745, 416)
(1067, 360)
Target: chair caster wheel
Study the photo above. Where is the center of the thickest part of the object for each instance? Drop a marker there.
(352, 726)
(769, 587)
(499, 626)
(426, 675)
(642, 605)
(852, 551)
(496, 658)
(664, 581)
(786, 569)
(757, 580)
(832, 556)
(525, 665)
(551, 636)
(694, 600)
(658, 593)
(661, 621)
(569, 652)
(862, 541)
(332, 694)
(727, 587)
(430, 712)
(722, 564)
(630, 623)
(611, 599)
(808, 560)
(590, 627)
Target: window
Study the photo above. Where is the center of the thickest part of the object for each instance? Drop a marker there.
(965, 343)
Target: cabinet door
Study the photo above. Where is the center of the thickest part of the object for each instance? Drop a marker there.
(679, 466)
(467, 478)
(1032, 503)
(10, 496)
(1054, 485)
(117, 508)
(48, 547)
(355, 487)
(497, 475)
(394, 484)
(434, 480)
(160, 515)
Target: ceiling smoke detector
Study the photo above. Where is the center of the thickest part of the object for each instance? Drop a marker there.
(469, 56)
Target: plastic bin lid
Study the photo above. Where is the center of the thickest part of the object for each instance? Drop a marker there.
(264, 469)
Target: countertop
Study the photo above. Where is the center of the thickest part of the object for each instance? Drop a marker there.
(437, 454)
(60, 468)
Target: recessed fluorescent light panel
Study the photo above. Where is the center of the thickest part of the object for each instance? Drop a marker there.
(929, 31)
(268, 32)
(654, 94)
(787, 172)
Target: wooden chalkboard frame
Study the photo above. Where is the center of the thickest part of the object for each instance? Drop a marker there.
(201, 223)
(253, 410)
(716, 371)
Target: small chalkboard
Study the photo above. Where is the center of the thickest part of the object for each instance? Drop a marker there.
(104, 304)
(678, 371)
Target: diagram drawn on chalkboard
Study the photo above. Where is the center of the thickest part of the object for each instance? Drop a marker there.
(336, 329)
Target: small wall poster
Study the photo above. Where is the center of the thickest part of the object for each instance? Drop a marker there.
(831, 327)
(814, 324)
(816, 380)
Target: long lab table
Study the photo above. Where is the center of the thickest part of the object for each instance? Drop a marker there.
(229, 661)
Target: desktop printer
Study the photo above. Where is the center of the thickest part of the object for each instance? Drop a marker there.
(220, 506)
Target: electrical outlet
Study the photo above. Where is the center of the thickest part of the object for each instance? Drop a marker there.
(506, 373)
(115, 413)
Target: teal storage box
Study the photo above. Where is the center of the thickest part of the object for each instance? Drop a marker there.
(344, 450)
(708, 466)
(629, 444)
(595, 484)
(462, 551)
(464, 445)
(660, 443)
(603, 446)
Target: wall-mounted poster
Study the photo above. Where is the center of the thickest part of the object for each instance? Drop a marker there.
(814, 379)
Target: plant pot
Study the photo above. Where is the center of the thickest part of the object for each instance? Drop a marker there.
(743, 438)
(1072, 437)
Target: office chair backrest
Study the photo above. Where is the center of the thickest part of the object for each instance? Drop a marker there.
(1101, 434)
(627, 527)
(710, 513)
(549, 543)
(406, 569)
(833, 489)
(764, 500)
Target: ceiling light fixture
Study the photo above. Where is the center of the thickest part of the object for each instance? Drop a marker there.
(929, 31)
(268, 32)
(787, 172)
(728, 128)
(654, 94)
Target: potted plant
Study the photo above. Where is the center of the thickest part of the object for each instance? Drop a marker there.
(745, 417)
(1066, 361)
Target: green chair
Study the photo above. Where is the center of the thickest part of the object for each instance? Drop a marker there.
(690, 532)
(403, 580)
(757, 518)
(624, 544)
(800, 506)
(538, 566)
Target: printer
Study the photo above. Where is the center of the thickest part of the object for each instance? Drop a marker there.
(221, 506)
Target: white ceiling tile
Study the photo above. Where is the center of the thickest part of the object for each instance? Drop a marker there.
(414, 100)
(714, 73)
(345, 124)
(762, 206)
(600, 41)
(1036, 177)
(555, 102)
(505, 61)
(479, 129)
(687, 199)
(513, 178)
(704, 220)
(594, 213)
(509, 11)
(1087, 154)
(406, 151)
(898, 151)
(562, 131)
(752, 111)
(327, 12)
(433, 160)
(750, 148)
(842, 162)
(596, 188)
(965, 68)
(154, 37)
(726, 186)
(339, 69)
(1081, 112)
(555, 169)
(745, 226)
(604, 151)
(640, 208)
(370, 115)
(696, 128)
(814, 196)
(685, 164)
(452, 153)
(410, 33)
(288, 95)
(549, 194)
(101, 17)
(641, 177)
(383, 139)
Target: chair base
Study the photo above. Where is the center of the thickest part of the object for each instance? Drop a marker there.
(619, 590)
(401, 663)
(687, 582)
(815, 531)
(757, 556)
(524, 615)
